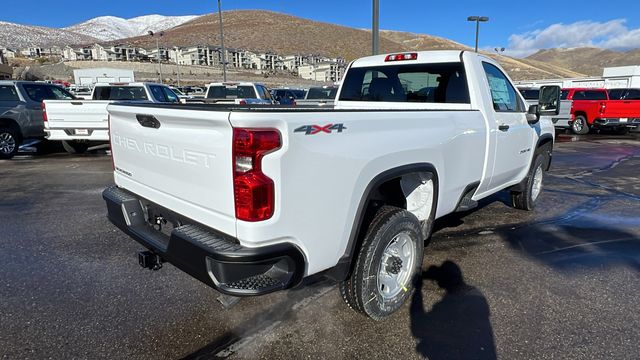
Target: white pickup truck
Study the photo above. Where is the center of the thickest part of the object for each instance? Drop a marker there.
(79, 123)
(251, 199)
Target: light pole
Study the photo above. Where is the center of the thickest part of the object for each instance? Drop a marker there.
(478, 20)
(151, 33)
(375, 28)
(224, 52)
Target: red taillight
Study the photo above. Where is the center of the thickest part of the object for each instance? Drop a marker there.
(254, 191)
(402, 57)
(603, 107)
(242, 102)
(44, 111)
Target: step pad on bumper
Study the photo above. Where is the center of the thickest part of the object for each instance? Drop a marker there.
(215, 258)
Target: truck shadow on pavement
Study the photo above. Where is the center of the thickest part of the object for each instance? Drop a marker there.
(459, 325)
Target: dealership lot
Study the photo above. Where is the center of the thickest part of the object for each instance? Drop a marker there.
(559, 282)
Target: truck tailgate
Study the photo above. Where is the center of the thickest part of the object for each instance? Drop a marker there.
(179, 158)
(75, 113)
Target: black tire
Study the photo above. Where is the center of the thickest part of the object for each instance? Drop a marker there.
(526, 200)
(9, 142)
(363, 291)
(75, 147)
(580, 125)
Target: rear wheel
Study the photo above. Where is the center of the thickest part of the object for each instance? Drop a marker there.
(390, 256)
(580, 125)
(75, 147)
(526, 200)
(9, 142)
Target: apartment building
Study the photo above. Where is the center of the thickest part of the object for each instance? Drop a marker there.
(329, 71)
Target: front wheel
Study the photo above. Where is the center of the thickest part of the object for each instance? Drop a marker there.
(75, 147)
(390, 257)
(526, 200)
(9, 142)
(580, 125)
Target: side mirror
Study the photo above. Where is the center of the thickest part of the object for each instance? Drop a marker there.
(533, 115)
(549, 101)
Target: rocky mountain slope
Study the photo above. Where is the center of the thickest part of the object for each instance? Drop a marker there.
(20, 36)
(587, 60)
(112, 28)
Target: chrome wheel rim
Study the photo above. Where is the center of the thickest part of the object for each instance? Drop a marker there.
(396, 266)
(537, 183)
(7, 143)
(577, 125)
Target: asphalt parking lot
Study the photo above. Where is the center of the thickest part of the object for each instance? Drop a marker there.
(561, 282)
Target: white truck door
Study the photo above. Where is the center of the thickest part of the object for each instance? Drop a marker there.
(513, 135)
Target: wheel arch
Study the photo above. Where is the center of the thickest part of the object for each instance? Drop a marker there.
(11, 123)
(379, 191)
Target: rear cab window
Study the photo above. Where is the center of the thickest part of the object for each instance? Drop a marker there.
(633, 94)
(530, 94)
(419, 83)
(8, 93)
(231, 92)
(128, 93)
(616, 94)
(590, 95)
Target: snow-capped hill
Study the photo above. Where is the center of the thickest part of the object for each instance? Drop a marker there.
(108, 28)
(19, 36)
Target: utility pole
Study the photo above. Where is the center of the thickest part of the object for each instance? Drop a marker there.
(151, 33)
(375, 28)
(478, 20)
(224, 52)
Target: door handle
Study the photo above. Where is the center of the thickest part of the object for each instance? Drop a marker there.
(503, 127)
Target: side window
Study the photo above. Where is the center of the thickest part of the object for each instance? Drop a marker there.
(37, 93)
(579, 95)
(616, 94)
(564, 94)
(8, 93)
(158, 94)
(633, 94)
(267, 94)
(61, 94)
(505, 98)
(595, 95)
(170, 95)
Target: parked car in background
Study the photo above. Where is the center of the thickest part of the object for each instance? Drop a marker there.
(181, 95)
(274, 195)
(592, 108)
(82, 123)
(564, 117)
(21, 112)
(322, 95)
(80, 92)
(288, 96)
(238, 93)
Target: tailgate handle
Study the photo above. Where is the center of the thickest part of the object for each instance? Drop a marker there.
(149, 121)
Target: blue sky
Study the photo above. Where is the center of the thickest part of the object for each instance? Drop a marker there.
(519, 26)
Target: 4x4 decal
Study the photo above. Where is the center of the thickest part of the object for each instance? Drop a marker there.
(317, 129)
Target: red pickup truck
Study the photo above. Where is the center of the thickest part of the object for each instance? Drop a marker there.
(617, 109)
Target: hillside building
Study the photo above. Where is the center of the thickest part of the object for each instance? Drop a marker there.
(329, 71)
